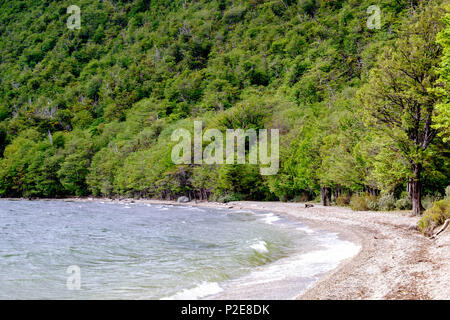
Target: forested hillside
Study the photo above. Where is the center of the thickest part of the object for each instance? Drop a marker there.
(90, 111)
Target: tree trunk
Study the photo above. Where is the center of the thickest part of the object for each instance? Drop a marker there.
(325, 195)
(322, 196)
(415, 190)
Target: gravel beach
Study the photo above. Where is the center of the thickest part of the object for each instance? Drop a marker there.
(395, 261)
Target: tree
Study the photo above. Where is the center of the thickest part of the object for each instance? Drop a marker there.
(398, 96)
(442, 118)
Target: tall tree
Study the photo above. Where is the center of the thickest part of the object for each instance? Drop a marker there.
(398, 95)
(442, 118)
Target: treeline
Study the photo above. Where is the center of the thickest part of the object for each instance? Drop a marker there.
(91, 111)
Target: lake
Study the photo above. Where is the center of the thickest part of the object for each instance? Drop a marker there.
(121, 250)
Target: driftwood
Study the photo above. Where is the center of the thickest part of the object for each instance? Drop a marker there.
(444, 226)
(308, 205)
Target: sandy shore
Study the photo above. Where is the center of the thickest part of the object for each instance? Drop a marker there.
(395, 260)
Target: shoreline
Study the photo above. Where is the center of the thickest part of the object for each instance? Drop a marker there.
(395, 260)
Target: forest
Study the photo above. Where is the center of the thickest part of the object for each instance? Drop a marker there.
(363, 113)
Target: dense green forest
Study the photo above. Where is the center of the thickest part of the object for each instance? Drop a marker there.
(363, 112)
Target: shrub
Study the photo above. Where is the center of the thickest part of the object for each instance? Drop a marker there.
(434, 217)
(358, 203)
(301, 198)
(386, 202)
(403, 204)
(430, 199)
(363, 202)
(372, 203)
(229, 197)
(343, 200)
(234, 14)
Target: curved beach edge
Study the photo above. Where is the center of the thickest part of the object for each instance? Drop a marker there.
(395, 260)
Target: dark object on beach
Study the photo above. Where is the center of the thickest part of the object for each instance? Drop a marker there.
(308, 205)
(183, 199)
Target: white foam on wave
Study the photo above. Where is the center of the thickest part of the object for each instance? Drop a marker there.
(270, 218)
(202, 290)
(243, 211)
(309, 264)
(195, 209)
(163, 207)
(260, 246)
(305, 229)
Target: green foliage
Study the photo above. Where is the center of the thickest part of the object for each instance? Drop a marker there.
(400, 99)
(430, 199)
(229, 198)
(403, 203)
(91, 111)
(442, 116)
(386, 202)
(4, 113)
(363, 202)
(343, 200)
(434, 217)
(241, 180)
(78, 153)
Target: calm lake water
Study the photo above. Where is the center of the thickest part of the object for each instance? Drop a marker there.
(142, 251)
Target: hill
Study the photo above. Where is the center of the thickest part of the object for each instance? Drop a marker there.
(91, 111)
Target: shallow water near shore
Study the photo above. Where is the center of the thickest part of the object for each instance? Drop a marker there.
(148, 251)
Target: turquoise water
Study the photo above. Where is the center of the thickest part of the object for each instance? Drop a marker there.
(141, 251)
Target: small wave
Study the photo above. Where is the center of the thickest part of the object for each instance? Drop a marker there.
(270, 218)
(195, 209)
(202, 290)
(260, 246)
(305, 229)
(308, 264)
(243, 211)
